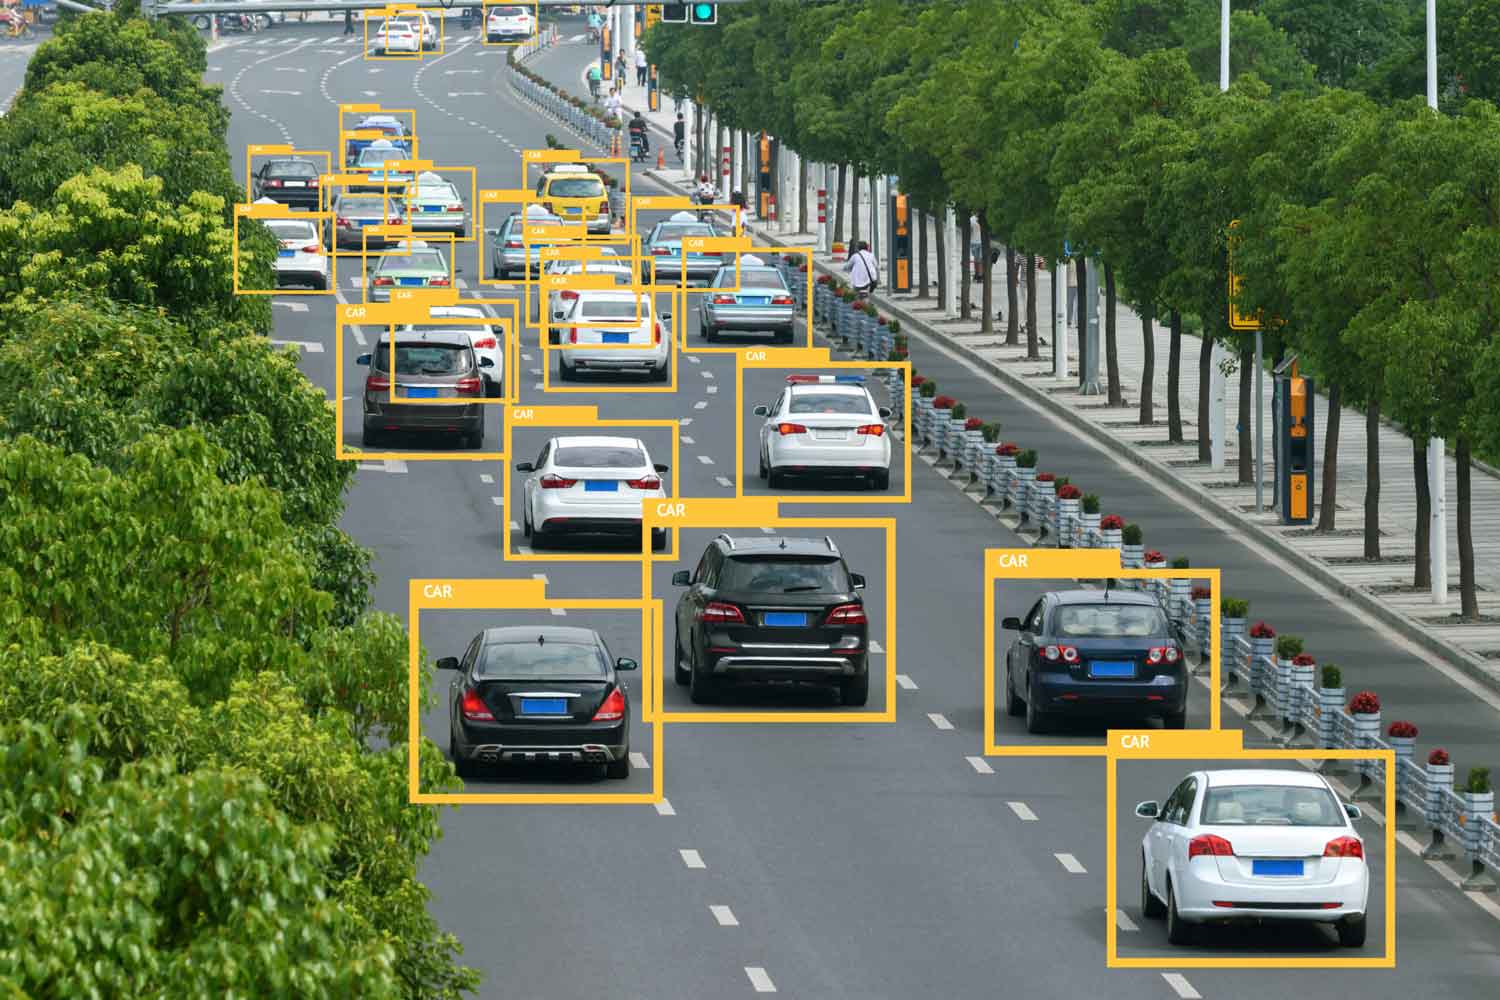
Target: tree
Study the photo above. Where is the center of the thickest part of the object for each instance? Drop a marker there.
(1344, 40)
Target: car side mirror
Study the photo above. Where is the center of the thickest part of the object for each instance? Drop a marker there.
(1353, 811)
(363, 359)
(525, 467)
(1148, 810)
(458, 270)
(762, 411)
(448, 663)
(491, 232)
(661, 468)
(625, 663)
(885, 412)
(486, 362)
(681, 578)
(857, 580)
(666, 315)
(559, 314)
(1011, 624)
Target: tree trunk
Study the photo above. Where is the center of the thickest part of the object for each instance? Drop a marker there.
(1012, 299)
(1327, 501)
(1148, 366)
(1468, 598)
(966, 275)
(1205, 376)
(987, 270)
(1174, 379)
(1033, 337)
(940, 241)
(1242, 436)
(920, 217)
(838, 208)
(1111, 347)
(1372, 479)
(854, 229)
(722, 139)
(880, 248)
(1422, 554)
(803, 179)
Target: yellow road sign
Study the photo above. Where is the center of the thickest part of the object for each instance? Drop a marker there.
(1237, 319)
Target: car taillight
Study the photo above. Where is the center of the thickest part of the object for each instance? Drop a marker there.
(644, 483)
(613, 708)
(485, 344)
(468, 385)
(723, 300)
(438, 282)
(340, 220)
(726, 614)
(661, 251)
(273, 183)
(603, 207)
(474, 708)
(455, 208)
(656, 334)
(785, 429)
(552, 481)
(873, 430)
(1056, 652)
(377, 383)
(1162, 654)
(313, 248)
(573, 335)
(847, 614)
(512, 244)
(1344, 847)
(568, 293)
(782, 300)
(1210, 845)
(382, 281)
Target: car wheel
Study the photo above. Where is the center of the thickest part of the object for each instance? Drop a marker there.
(474, 439)
(321, 285)
(682, 675)
(710, 336)
(1037, 721)
(658, 539)
(784, 338)
(660, 374)
(765, 473)
(372, 438)
(855, 690)
(1175, 720)
(564, 372)
(1151, 907)
(881, 480)
(493, 389)
(619, 768)
(1013, 703)
(526, 523)
(702, 688)
(1352, 931)
(463, 768)
(201, 22)
(1179, 931)
(775, 478)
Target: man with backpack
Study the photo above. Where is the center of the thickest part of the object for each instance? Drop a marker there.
(863, 270)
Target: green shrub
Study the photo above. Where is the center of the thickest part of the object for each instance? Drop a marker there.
(1233, 607)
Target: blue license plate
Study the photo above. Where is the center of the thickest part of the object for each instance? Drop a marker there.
(431, 208)
(617, 338)
(785, 619)
(755, 301)
(414, 393)
(411, 281)
(1111, 668)
(544, 706)
(286, 253)
(599, 486)
(1269, 867)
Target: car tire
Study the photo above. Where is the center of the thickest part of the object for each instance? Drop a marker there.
(682, 675)
(474, 440)
(854, 691)
(320, 285)
(526, 523)
(619, 769)
(565, 373)
(463, 768)
(881, 480)
(784, 338)
(1175, 720)
(1037, 721)
(1014, 706)
(1179, 931)
(1151, 907)
(661, 374)
(658, 539)
(765, 473)
(1352, 931)
(710, 336)
(775, 479)
(371, 438)
(702, 688)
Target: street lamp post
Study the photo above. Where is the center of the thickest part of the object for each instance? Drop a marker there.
(1437, 462)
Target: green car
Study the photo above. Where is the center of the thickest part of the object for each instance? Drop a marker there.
(409, 264)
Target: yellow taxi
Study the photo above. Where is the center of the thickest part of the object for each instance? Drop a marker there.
(572, 191)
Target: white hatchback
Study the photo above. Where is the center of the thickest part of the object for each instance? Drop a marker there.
(825, 424)
(300, 257)
(559, 299)
(590, 485)
(486, 341)
(610, 332)
(1252, 845)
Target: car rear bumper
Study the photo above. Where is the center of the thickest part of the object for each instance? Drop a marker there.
(1134, 699)
(624, 359)
(386, 416)
(1200, 888)
(595, 743)
(300, 275)
(749, 318)
(293, 197)
(770, 661)
(439, 223)
(671, 267)
(812, 457)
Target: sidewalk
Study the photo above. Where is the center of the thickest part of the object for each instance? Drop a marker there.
(1382, 588)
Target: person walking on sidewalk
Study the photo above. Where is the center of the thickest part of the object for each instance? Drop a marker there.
(863, 270)
(620, 67)
(641, 66)
(679, 135)
(348, 22)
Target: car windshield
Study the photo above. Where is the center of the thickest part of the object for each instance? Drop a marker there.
(784, 574)
(751, 279)
(608, 309)
(599, 456)
(1270, 805)
(831, 402)
(1108, 621)
(388, 127)
(576, 187)
(417, 260)
(424, 359)
(292, 168)
(675, 232)
(292, 230)
(372, 156)
(553, 660)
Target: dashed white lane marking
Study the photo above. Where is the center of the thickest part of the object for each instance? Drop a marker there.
(638, 761)
(759, 980)
(296, 307)
(711, 388)
(876, 647)
(724, 482)
(904, 682)
(664, 808)
(500, 501)
(291, 69)
(485, 477)
(694, 359)
(706, 373)
(541, 576)
(1183, 988)
(310, 346)
(1070, 864)
(980, 765)
(687, 440)
(705, 460)
(768, 531)
(692, 858)
(702, 404)
(684, 421)
(940, 720)
(724, 915)
(1123, 921)
(1022, 811)
(394, 465)
(559, 612)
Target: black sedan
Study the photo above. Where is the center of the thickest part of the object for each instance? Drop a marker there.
(1096, 653)
(290, 180)
(544, 693)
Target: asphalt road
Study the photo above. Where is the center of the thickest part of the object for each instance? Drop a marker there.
(869, 861)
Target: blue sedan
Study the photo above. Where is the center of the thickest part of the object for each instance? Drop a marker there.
(762, 303)
(664, 250)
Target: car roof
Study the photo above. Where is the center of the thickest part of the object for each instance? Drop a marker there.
(778, 544)
(436, 311)
(373, 121)
(597, 441)
(569, 168)
(517, 634)
(1076, 597)
(595, 294)
(1264, 776)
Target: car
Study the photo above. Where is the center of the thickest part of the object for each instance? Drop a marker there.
(437, 205)
(389, 126)
(825, 424)
(1254, 845)
(538, 693)
(762, 304)
(372, 164)
(430, 364)
(424, 26)
(572, 191)
(589, 485)
(664, 249)
(287, 180)
(509, 23)
(650, 353)
(394, 36)
(354, 211)
(300, 257)
(408, 264)
(771, 608)
(487, 342)
(511, 253)
(1101, 653)
(558, 299)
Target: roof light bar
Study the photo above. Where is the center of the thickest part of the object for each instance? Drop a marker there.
(825, 380)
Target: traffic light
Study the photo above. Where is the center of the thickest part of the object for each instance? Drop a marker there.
(674, 13)
(704, 13)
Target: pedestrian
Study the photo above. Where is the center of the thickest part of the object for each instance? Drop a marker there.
(349, 22)
(863, 270)
(612, 103)
(641, 66)
(1072, 270)
(620, 66)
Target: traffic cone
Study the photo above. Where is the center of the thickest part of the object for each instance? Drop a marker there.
(661, 159)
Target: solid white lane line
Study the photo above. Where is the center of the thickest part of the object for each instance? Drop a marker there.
(904, 682)
(1123, 921)
(980, 765)
(1183, 988)
(486, 478)
(664, 808)
(1070, 864)
(759, 979)
(705, 460)
(940, 720)
(692, 858)
(638, 761)
(1022, 811)
(724, 915)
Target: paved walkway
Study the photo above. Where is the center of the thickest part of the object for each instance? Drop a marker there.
(1382, 587)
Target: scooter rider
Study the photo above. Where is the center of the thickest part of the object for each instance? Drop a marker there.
(639, 144)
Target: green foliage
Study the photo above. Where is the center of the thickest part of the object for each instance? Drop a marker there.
(1331, 677)
(1180, 562)
(1091, 503)
(1132, 534)
(1026, 459)
(1233, 607)
(1478, 781)
(1288, 646)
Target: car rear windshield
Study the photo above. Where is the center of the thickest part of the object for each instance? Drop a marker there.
(420, 260)
(552, 660)
(784, 575)
(752, 279)
(509, 11)
(437, 192)
(576, 187)
(1085, 621)
(292, 168)
(424, 359)
(609, 309)
(1270, 805)
(597, 456)
(292, 230)
(369, 206)
(668, 233)
(831, 402)
(371, 155)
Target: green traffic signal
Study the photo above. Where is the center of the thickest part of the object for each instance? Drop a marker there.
(705, 13)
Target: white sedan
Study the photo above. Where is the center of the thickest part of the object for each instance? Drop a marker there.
(300, 257)
(486, 340)
(590, 485)
(559, 299)
(825, 424)
(610, 332)
(1251, 845)
(394, 36)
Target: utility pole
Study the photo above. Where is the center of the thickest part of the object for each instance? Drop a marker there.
(1437, 452)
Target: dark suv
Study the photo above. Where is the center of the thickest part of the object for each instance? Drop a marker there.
(772, 609)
